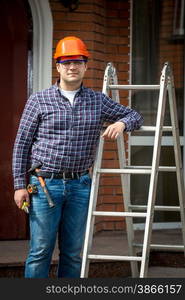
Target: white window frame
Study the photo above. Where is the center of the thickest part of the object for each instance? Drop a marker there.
(42, 44)
(178, 29)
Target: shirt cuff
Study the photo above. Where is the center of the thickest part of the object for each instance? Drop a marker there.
(19, 183)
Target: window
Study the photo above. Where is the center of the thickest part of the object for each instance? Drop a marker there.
(152, 27)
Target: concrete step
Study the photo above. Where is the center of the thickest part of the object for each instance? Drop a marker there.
(162, 263)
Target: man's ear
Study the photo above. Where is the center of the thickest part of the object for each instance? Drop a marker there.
(57, 67)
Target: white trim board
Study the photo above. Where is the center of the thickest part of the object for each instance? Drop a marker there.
(42, 44)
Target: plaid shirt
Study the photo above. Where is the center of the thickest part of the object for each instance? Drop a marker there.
(62, 137)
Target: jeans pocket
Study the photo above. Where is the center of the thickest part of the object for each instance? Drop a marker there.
(86, 179)
(34, 180)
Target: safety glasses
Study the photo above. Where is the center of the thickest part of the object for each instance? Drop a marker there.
(67, 63)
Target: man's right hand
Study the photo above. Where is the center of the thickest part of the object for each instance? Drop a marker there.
(20, 196)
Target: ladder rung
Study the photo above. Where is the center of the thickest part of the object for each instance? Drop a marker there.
(163, 247)
(136, 170)
(161, 168)
(153, 128)
(157, 207)
(167, 169)
(115, 257)
(134, 87)
(125, 171)
(118, 214)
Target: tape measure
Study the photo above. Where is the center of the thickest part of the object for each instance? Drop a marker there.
(25, 207)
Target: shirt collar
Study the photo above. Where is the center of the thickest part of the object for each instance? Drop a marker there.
(56, 86)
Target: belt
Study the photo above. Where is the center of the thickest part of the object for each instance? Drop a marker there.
(62, 175)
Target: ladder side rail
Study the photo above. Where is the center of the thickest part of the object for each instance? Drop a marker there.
(90, 217)
(154, 173)
(177, 151)
(125, 184)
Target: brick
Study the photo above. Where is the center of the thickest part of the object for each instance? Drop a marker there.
(123, 49)
(113, 13)
(117, 58)
(120, 225)
(110, 155)
(111, 49)
(120, 5)
(86, 7)
(98, 227)
(108, 226)
(106, 207)
(110, 199)
(110, 163)
(118, 23)
(123, 67)
(100, 11)
(110, 145)
(106, 190)
(119, 207)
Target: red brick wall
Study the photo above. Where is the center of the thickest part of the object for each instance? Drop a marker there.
(116, 51)
(104, 27)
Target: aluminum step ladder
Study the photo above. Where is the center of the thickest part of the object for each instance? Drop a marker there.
(165, 87)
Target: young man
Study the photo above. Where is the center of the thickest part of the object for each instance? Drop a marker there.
(58, 133)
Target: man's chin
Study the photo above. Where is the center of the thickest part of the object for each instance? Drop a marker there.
(73, 79)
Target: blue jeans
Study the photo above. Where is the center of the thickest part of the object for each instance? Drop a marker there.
(67, 219)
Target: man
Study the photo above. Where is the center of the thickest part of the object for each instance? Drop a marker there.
(58, 133)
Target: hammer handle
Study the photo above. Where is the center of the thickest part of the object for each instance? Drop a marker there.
(45, 190)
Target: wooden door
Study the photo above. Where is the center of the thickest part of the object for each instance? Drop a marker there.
(13, 93)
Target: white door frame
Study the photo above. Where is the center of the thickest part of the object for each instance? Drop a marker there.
(42, 43)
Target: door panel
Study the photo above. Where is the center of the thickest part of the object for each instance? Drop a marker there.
(13, 91)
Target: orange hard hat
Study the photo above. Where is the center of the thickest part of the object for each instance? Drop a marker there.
(69, 46)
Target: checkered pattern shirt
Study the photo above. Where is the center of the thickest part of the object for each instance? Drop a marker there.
(62, 137)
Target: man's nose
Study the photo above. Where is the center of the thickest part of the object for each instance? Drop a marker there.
(72, 65)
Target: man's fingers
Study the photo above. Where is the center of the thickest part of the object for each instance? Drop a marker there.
(21, 196)
(108, 132)
(105, 132)
(27, 198)
(111, 133)
(117, 134)
(114, 130)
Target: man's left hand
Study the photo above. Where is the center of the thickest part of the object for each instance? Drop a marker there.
(113, 130)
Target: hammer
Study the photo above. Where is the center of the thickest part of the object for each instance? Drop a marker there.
(42, 183)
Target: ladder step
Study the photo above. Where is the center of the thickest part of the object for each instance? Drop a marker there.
(153, 128)
(118, 214)
(161, 168)
(163, 247)
(157, 207)
(134, 87)
(136, 170)
(125, 171)
(115, 257)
